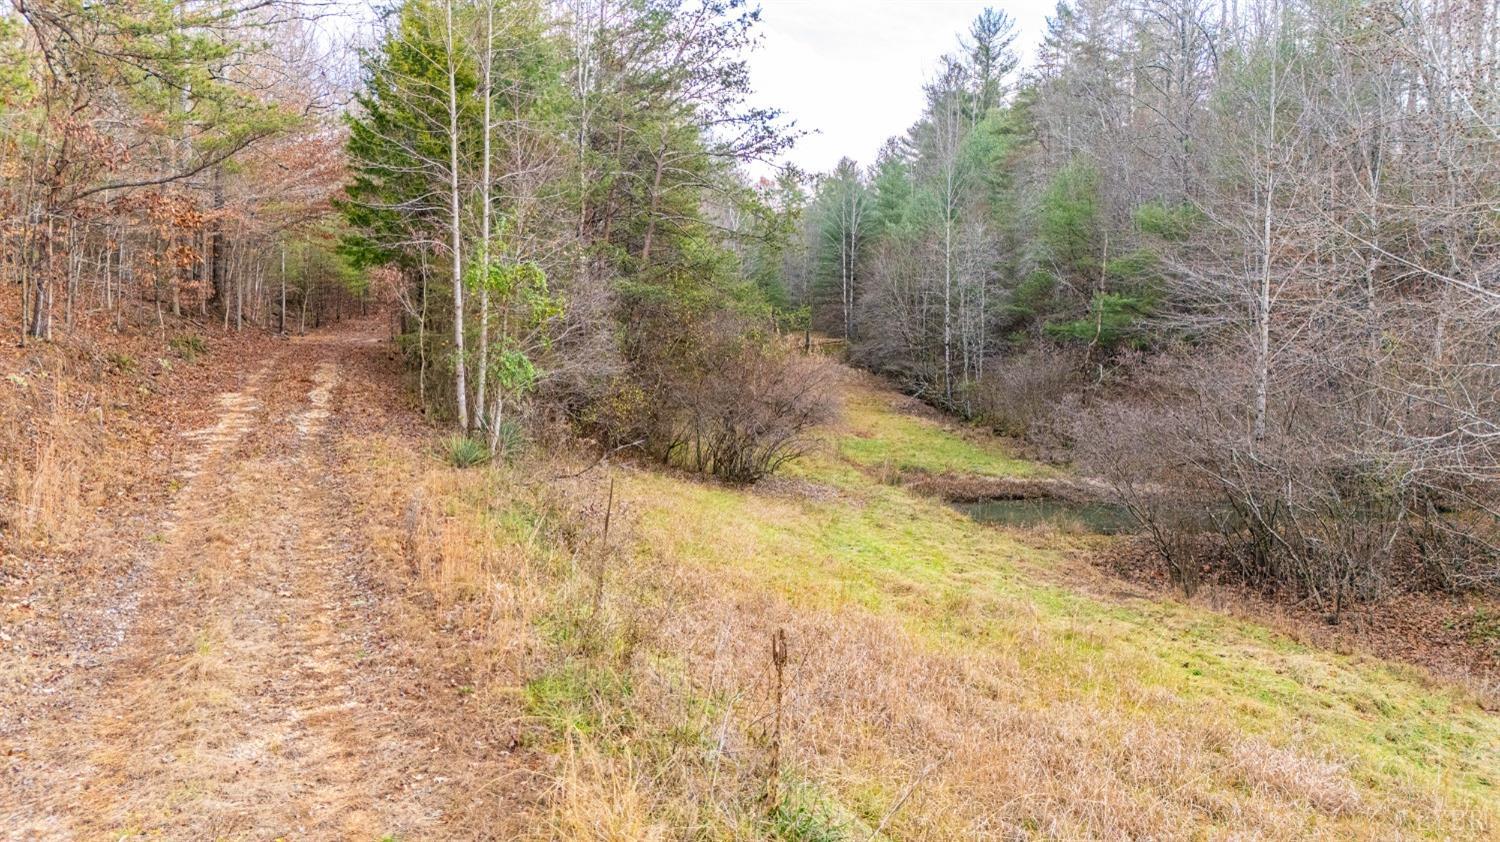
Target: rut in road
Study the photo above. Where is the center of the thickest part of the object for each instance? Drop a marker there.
(243, 701)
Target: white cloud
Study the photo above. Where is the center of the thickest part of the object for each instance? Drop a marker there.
(853, 70)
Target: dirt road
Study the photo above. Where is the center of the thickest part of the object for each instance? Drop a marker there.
(240, 683)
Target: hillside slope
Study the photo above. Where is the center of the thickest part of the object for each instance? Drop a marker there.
(980, 667)
(944, 679)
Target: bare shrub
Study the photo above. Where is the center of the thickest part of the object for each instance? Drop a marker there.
(1438, 424)
(1021, 395)
(751, 416)
(730, 406)
(1313, 506)
(1455, 551)
(1126, 444)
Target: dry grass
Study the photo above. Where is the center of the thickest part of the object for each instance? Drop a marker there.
(523, 675)
(602, 798)
(46, 445)
(940, 685)
(213, 661)
(46, 489)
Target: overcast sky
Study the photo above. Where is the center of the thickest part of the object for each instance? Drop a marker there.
(853, 70)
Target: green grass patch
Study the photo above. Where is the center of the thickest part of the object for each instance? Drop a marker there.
(803, 814)
(1483, 625)
(880, 438)
(577, 696)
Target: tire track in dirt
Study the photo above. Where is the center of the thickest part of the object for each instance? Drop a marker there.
(237, 706)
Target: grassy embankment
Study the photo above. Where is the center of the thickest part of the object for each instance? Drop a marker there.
(945, 679)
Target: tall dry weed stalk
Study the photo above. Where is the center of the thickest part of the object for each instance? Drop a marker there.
(601, 557)
(778, 663)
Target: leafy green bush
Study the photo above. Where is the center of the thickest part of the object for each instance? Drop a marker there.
(1169, 222)
(1113, 318)
(1068, 222)
(1033, 297)
(1134, 267)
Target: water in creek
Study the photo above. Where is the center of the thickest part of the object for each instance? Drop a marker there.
(1102, 518)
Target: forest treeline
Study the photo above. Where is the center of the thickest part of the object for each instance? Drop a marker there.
(161, 157)
(1240, 259)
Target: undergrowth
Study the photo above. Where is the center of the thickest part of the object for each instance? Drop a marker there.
(189, 346)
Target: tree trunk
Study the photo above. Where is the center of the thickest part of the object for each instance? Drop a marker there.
(484, 228)
(41, 299)
(281, 320)
(948, 304)
(1262, 386)
(216, 240)
(461, 391)
(661, 164)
